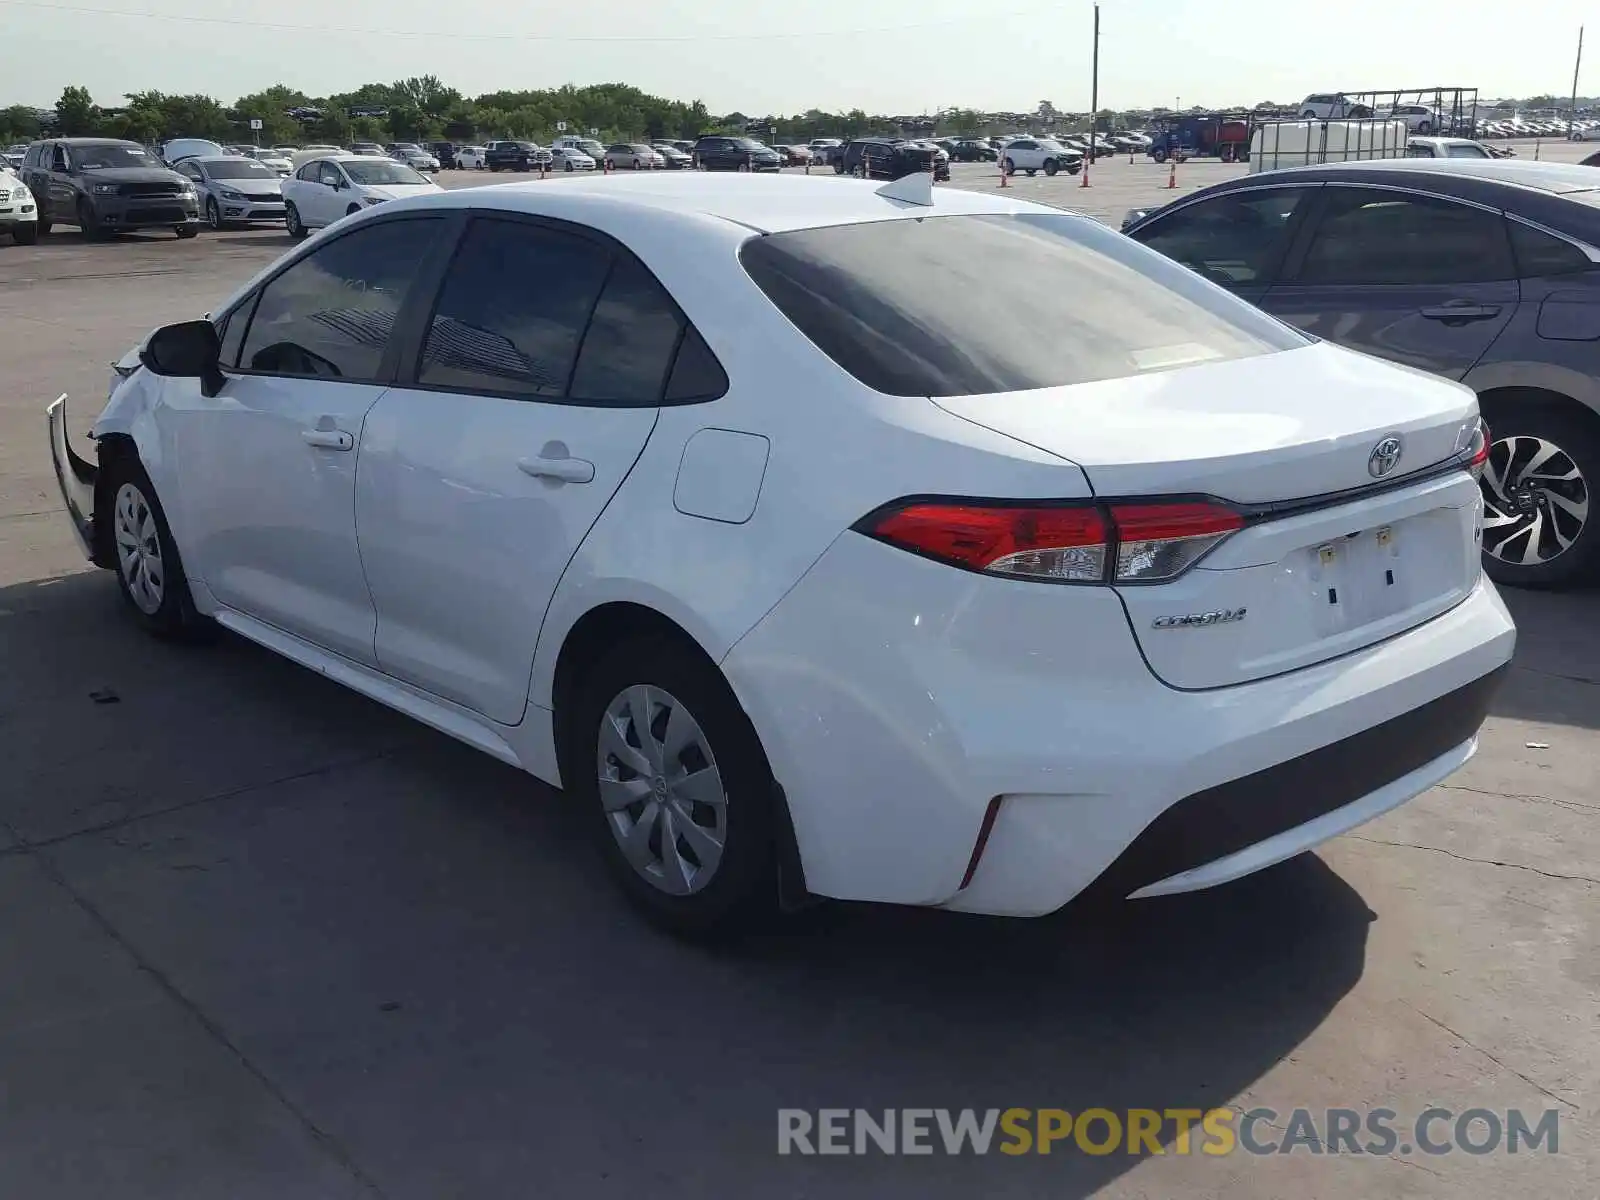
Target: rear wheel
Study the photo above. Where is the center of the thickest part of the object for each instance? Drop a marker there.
(1009, 167)
(677, 787)
(1424, 127)
(1539, 525)
(1159, 154)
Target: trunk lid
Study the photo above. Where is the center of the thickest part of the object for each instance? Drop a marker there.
(1364, 557)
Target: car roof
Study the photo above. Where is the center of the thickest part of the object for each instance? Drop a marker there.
(1557, 178)
(762, 204)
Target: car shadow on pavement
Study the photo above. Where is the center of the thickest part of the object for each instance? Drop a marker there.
(418, 945)
(1555, 676)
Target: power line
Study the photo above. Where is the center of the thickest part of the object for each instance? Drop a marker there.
(457, 35)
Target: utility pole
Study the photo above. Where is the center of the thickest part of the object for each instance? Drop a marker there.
(1094, 99)
(1572, 113)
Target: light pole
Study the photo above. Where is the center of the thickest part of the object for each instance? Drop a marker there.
(1572, 112)
(1094, 99)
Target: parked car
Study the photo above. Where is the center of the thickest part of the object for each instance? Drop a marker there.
(13, 154)
(273, 160)
(368, 150)
(673, 158)
(1480, 270)
(179, 148)
(445, 152)
(990, 510)
(570, 158)
(885, 158)
(326, 190)
(585, 145)
(414, 156)
(1445, 147)
(718, 153)
(825, 150)
(234, 190)
(795, 155)
(104, 186)
(974, 150)
(1332, 106)
(1419, 118)
(19, 211)
(471, 158)
(515, 155)
(634, 156)
(1039, 154)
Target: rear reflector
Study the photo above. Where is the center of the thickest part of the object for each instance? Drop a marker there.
(1066, 543)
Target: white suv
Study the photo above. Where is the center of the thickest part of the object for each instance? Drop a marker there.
(1039, 154)
(804, 575)
(1331, 106)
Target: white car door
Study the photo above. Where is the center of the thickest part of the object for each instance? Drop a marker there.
(268, 463)
(527, 408)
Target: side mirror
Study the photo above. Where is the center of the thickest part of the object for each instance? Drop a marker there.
(187, 350)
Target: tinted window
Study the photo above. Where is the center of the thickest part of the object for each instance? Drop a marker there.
(696, 373)
(231, 332)
(330, 314)
(1378, 237)
(513, 310)
(953, 306)
(1538, 253)
(630, 341)
(1237, 238)
(329, 174)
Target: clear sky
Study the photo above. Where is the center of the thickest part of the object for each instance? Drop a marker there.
(891, 56)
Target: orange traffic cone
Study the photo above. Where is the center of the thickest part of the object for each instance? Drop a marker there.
(1172, 171)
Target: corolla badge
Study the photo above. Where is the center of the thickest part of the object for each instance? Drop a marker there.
(1385, 456)
(1223, 616)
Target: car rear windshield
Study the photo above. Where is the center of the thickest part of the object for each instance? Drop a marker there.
(969, 305)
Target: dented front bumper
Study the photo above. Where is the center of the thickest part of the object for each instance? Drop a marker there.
(76, 478)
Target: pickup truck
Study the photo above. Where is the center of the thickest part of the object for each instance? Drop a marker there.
(515, 156)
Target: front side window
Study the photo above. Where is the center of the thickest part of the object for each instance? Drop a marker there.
(328, 175)
(329, 316)
(969, 305)
(1233, 239)
(1465, 150)
(1372, 236)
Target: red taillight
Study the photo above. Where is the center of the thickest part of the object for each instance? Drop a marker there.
(1066, 543)
(1071, 543)
(1480, 449)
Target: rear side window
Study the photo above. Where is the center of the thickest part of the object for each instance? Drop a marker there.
(968, 305)
(1234, 239)
(630, 342)
(1540, 254)
(1376, 237)
(512, 314)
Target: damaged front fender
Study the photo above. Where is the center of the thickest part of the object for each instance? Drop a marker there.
(76, 477)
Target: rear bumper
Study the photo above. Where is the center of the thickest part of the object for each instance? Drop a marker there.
(75, 477)
(896, 698)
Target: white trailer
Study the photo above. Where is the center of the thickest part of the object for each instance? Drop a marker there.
(1277, 144)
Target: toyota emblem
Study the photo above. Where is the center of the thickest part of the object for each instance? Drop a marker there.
(1385, 456)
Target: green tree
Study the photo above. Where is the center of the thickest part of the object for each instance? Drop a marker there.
(271, 107)
(19, 123)
(76, 113)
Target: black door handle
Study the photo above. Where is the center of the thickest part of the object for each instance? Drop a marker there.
(1460, 314)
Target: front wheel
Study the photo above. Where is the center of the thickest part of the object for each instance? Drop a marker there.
(213, 214)
(1539, 529)
(88, 221)
(569, 166)
(1424, 128)
(185, 231)
(1050, 167)
(291, 219)
(676, 785)
(149, 571)
(1009, 167)
(1159, 154)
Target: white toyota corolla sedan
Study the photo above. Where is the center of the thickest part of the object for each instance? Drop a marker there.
(822, 538)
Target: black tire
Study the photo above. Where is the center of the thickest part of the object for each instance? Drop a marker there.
(494, 167)
(1159, 154)
(1308, 115)
(1424, 128)
(1074, 167)
(1050, 167)
(1009, 167)
(569, 164)
(44, 227)
(88, 221)
(25, 233)
(838, 166)
(293, 223)
(352, 210)
(175, 618)
(185, 231)
(1032, 172)
(213, 215)
(1579, 441)
(743, 891)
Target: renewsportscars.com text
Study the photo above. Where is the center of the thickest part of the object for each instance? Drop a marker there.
(1136, 1131)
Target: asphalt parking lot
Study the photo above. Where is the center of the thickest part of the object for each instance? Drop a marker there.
(260, 937)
